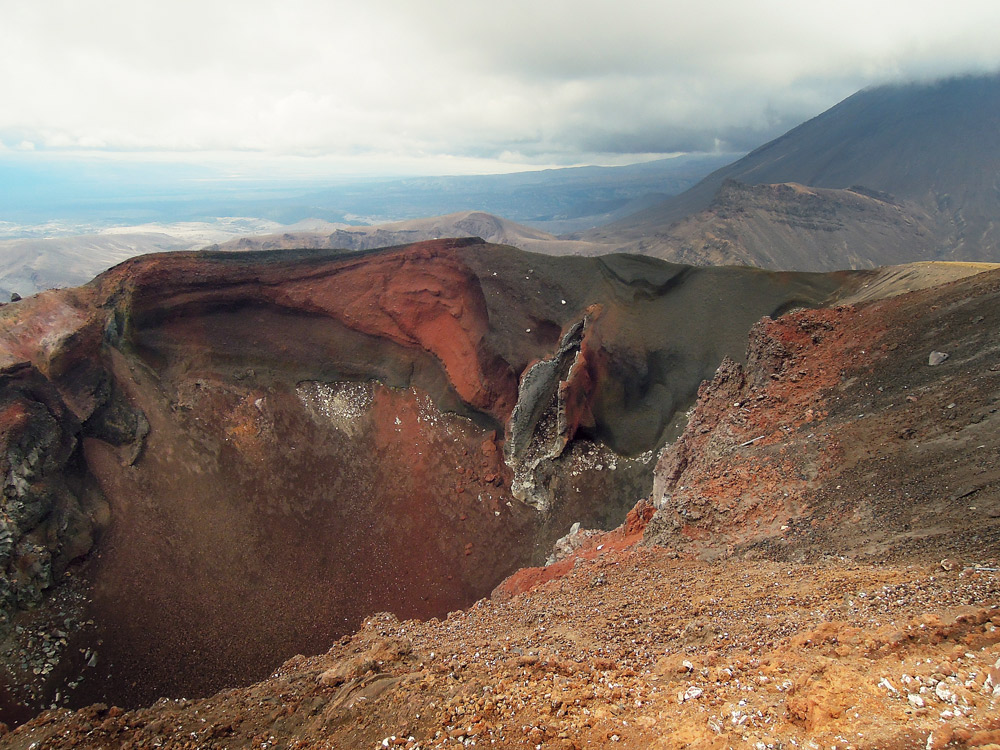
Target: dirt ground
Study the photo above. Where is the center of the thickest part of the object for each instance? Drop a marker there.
(633, 649)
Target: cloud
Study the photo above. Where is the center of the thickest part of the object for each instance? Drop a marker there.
(537, 82)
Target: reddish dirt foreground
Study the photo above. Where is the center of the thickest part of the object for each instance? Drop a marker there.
(632, 649)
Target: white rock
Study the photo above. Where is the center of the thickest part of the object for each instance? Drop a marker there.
(915, 700)
(692, 693)
(944, 694)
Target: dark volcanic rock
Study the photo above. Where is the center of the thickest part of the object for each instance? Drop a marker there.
(46, 523)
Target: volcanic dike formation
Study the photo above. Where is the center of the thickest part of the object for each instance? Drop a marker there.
(214, 461)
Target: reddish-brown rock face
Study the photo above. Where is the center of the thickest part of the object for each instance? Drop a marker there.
(264, 449)
(425, 300)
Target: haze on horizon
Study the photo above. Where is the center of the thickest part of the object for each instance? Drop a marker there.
(307, 88)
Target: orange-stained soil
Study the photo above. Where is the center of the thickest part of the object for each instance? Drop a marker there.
(632, 649)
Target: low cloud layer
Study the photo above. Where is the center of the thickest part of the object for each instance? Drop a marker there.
(471, 85)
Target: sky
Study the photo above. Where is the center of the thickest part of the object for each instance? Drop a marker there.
(311, 87)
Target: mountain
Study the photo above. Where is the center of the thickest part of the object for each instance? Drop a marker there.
(792, 226)
(932, 150)
(215, 462)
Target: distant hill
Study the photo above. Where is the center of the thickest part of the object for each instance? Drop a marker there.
(28, 266)
(933, 150)
(490, 228)
(554, 200)
(796, 227)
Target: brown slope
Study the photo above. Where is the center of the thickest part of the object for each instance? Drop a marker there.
(798, 228)
(649, 648)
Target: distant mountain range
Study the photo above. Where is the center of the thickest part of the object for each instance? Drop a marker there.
(554, 200)
(906, 173)
(191, 211)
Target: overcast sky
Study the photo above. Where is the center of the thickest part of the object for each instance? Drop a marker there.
(453, 86)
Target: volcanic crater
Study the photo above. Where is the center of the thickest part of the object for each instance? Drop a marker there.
(215, 460)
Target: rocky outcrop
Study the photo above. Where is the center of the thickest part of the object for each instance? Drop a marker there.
(824, 441)
(49, 516)
(54, 393)
(553, 403)
(749, 456)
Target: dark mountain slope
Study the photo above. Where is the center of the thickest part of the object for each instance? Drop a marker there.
(935, 146)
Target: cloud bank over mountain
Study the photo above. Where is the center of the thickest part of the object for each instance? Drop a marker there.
(464, 86)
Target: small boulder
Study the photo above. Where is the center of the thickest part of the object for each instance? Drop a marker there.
(346, 670)
(390, 650)
(936, 358)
